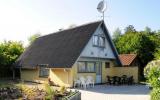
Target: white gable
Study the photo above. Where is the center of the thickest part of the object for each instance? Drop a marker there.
(92, 51)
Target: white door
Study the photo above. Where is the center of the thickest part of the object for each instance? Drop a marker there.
(98, 72)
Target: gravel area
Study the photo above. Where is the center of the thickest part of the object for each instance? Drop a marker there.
(104, 92)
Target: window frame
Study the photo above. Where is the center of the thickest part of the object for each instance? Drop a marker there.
(42, 69)
(107, 65)
(86, 67)
(103, 39)
(98, 41)
(90, 66)
(80, 71)
(93, 42)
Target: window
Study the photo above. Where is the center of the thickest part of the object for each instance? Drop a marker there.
(99, 40)
(107, 65)
(95, 40)
(43, 72)
(90, 67)
(86, 67)
(81, 67)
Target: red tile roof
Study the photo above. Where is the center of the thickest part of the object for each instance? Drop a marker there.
(127, 59)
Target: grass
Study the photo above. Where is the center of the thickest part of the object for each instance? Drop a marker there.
(5, 84)
(8, 83)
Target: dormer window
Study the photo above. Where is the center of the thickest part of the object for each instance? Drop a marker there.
(99, 40)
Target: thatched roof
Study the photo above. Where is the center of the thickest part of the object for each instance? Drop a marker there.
(60, 49)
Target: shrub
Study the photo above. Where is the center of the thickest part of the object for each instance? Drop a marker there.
(155, 94)
(28, 92)
(49, 91)
(152, 73)
(63, 89)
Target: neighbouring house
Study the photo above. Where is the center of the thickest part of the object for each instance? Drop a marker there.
(80, 51)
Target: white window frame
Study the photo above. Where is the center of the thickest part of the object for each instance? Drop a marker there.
(97, 42)
(102, 43)
(86, 67)
(79, 67)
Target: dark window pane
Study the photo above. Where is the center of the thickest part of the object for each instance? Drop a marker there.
(107, 65)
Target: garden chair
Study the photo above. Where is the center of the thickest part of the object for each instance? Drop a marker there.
(77, 82)
(84, 83)
(124, 79)
(117, 80)
(130, 80)
(90, 80)
(109, 80)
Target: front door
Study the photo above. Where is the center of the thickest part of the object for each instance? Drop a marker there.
(98, 72)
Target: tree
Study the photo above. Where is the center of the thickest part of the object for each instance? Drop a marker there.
(138, 43)
(157, 42)
(9, 52)
(130, 29)
(157, 54)
(116, 34)
(33, 37)
(147, 30)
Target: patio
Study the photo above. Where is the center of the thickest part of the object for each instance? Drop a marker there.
(106, 92)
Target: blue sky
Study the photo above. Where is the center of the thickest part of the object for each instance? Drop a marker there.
(19, 19)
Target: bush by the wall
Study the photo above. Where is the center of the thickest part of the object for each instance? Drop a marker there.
(152, 73)
(155, 94)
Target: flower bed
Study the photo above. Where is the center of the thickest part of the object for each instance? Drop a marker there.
(21, 91)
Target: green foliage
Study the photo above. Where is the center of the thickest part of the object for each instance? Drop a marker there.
(142, 43)
(63, 89)
(30, 92)
(156, 39)
(130, 29)
(116, 34)
(50, 92)
(147, 30)
(157, 54)
(153, 76)
(136, 43)
(9, 52)
(155, 94)
(32, 38)
(152, 73)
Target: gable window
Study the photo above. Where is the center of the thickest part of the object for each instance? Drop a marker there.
(99, 41)
(95, 40)
(86, 67)
(43, 71)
